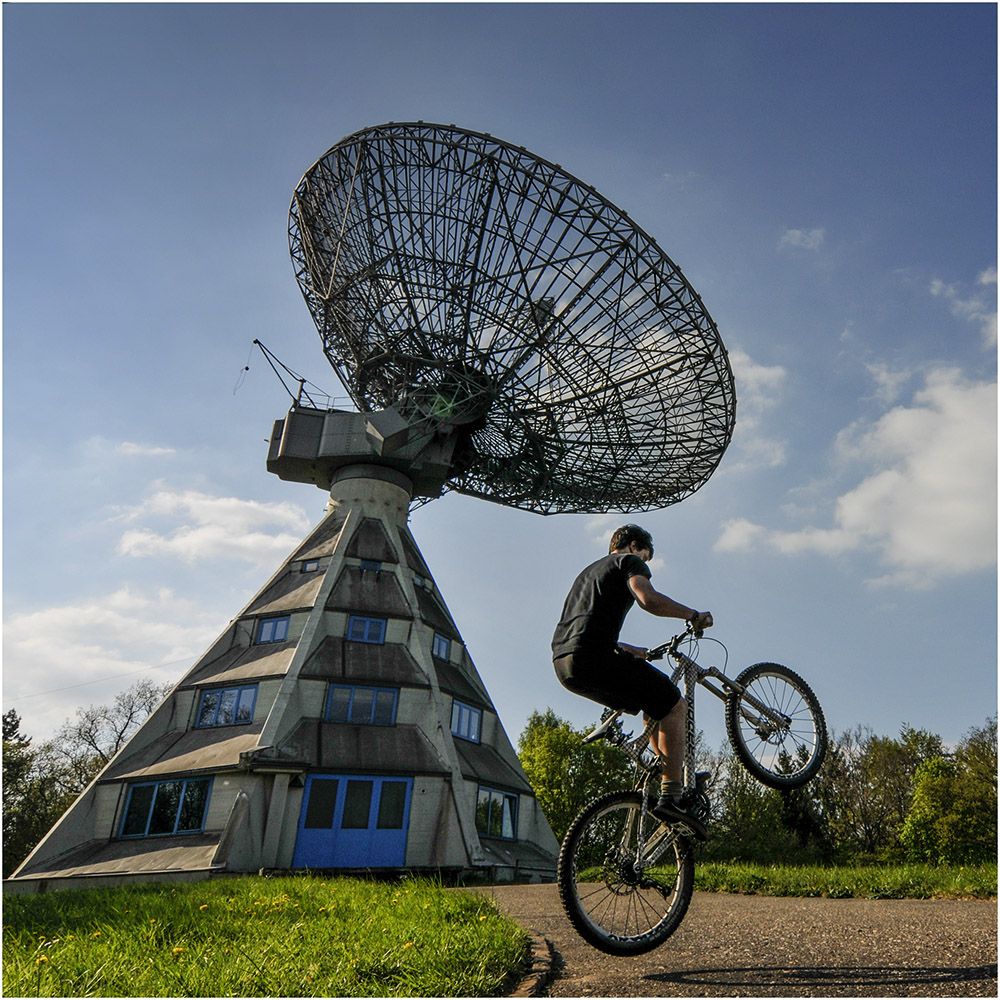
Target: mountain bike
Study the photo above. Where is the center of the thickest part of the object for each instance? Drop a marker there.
(625, 877)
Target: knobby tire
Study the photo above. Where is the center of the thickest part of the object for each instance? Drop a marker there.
(615, 904)
(779, 757)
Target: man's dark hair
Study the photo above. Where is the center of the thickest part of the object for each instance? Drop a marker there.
(629, 533)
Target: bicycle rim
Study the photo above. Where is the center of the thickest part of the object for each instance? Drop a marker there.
(625, 878)
(780, 756)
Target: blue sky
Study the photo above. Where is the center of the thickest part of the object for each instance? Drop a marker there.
(824, 175)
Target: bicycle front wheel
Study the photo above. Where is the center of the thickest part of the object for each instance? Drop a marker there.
(776, 726)
(624, 877)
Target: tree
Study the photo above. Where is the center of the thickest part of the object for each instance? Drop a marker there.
(564, 773)
(953, 816)
(865, 787)
(82, 748)
(33, 798)
(41, 783)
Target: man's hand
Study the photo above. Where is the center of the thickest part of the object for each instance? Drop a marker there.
(701, 620)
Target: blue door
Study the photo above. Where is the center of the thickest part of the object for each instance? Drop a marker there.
(353, 821)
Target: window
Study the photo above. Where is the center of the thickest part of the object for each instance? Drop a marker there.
(309, 565)
(365, 629)
(442, 646)
(273, 629)
(466, 721)
(496, 814)
(370, 564)
(366, 705)
(227, 706)
(159, 808)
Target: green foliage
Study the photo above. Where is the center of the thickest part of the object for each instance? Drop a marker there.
(34, 797)
(41, 783)
(864, 789)
(759, 824)
(564, 773)
(876, 799)
(910, 881)
(295, 936)
(953, 816)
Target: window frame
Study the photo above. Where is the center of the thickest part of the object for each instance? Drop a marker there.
(354, 689)
(464, 731)
(441, 647)
(497, 797)
(156, 785)
(367, 622)
(198, 724)
(273, 622)
(309, 566)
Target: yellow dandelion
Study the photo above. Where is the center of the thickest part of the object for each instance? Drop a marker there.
(409, 944)
(204, 906)
(41, 960)
(69, 937)
(322, 908)
(153, 921)
(96, 934)
(482, 918)
(177, 951)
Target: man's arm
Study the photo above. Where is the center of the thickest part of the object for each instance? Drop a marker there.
(651, 600)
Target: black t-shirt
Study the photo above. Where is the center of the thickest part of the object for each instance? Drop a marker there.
(597, 604)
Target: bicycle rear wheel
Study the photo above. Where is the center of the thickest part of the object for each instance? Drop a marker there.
(783, 754)
(624, 877)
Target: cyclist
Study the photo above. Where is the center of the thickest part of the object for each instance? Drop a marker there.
(590, 661)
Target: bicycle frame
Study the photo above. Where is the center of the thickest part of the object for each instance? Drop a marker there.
(690, 673)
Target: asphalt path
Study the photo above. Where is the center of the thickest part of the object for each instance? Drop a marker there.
(763, 946)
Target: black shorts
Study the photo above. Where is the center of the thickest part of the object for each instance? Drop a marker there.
(618, 680)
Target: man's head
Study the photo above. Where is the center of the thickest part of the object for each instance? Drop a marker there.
(623, 538)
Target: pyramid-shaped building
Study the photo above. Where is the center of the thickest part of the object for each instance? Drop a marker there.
(337, 724)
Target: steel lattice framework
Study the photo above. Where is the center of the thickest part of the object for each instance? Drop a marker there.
(486, 292)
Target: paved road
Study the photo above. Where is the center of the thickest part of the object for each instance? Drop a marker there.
(738, 946)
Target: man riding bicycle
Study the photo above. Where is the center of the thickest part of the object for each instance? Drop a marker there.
(590, 661)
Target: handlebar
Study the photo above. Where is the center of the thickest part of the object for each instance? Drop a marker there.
(658, 652)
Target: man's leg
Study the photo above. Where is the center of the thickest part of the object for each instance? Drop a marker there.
(669, 739)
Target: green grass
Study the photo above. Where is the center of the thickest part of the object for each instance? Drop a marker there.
(293, 936)
(904, 881)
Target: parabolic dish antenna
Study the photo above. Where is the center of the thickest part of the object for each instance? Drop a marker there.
(486, 296)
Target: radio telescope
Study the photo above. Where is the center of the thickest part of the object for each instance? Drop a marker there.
(507, 331)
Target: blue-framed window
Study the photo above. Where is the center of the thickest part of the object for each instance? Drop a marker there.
(441, 647)
(273, 629)
(309, 566)
(160, 808)
(466, 721)
(227, 706)
(369, 706)
(361, 629)
(373, 565)
(496, 813)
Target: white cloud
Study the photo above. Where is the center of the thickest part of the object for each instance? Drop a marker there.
(808, 239)
(888, 383)
(927, 506)
(977, 307)
(758, 389)
(130, 448)
(56, 658)
(193, 526)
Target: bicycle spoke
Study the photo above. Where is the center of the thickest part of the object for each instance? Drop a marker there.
(612, 894)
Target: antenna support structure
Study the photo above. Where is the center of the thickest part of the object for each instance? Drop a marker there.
(503, 330)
